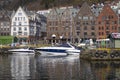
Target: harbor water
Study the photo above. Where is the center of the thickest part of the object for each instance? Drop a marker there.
(37, 67)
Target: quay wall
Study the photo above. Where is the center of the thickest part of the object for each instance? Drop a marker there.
(100, 54)
(4, 51)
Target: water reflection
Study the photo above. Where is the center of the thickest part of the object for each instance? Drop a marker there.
(104, 70)
(58, 68)
(20, 66)
(86, 71)
(25, 67)
(4, 67)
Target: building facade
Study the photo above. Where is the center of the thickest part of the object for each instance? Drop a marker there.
(25, 25)
(107, 22)
(60, 24)
(85, 23)
(5, 24)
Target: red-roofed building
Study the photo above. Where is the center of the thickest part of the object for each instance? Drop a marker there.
(107, 22)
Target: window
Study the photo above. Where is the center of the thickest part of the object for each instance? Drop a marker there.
(18, 18)
(99, 33)
(14, 23)
(14, 33)
(25, 33)
(87, 23)
(85, 27)
(92, 28)
(78, 28)
(25, 29)
(78, 23)
(78, 33)
(93, 22)
(80, 17)
(19, 23)
(115, 22)
(14, 29)
(99, 22)
(112, 27)
(85, 33)
(85, 18)
(19, 14)
(91, 18)
(15, 18)
(20, 28)
(104, 17)
(102, 28)
(107, 27)
(92, 33)
(107, 22)
(24, 18)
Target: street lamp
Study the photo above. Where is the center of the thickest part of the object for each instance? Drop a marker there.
(61, 37)
(53, 37)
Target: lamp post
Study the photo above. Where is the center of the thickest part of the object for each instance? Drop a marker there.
(61, 39)
(53, 37)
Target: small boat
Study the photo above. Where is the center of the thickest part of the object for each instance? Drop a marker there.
(62, 49)
(23, 50)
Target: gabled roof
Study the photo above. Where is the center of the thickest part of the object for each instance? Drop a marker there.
(107, 10)
(20, 8)
(25, 11)
(85, 10)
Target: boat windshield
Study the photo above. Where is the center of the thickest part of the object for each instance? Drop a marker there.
(64, 45)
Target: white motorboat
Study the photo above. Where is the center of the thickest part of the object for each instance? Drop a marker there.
(63, 49)
(23, 51)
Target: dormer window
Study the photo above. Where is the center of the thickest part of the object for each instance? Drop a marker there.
(19, 14)
(85, 18)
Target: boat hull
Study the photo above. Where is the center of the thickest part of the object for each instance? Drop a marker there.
(52, 53)
(64, 49)
(22, 51)
(73, 52)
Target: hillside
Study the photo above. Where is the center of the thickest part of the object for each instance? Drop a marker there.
(42, 4)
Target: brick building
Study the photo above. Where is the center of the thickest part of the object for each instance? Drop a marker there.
(60, 24)
(85, 23)
(107, 22)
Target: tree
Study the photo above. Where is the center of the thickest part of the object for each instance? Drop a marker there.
(15, 39)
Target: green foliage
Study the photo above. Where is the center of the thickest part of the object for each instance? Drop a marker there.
(5, 40)
(45, 4)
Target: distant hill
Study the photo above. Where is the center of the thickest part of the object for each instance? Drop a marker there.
(42, 4)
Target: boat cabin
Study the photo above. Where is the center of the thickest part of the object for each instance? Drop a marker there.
(103, 43)
(115, 40)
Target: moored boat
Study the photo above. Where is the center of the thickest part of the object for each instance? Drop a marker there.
(62, 49)
(22, 51)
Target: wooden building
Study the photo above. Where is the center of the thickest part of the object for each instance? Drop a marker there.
(60, 24)
(5, 24)
(107, 22)
(85, 23)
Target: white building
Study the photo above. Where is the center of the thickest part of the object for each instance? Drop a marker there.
(44, 12)
(25, 25)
